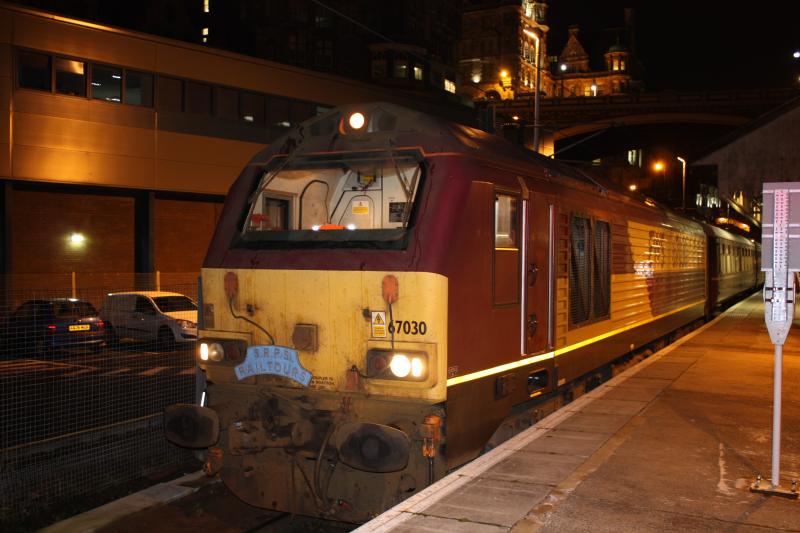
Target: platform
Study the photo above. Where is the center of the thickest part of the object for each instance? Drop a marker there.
(670, 445)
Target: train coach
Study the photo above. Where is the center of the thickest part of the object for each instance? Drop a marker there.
(384, 288)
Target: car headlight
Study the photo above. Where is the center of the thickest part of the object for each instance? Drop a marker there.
(185, 324)
(388, 364)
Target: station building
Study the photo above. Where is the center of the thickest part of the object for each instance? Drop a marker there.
(117, 148)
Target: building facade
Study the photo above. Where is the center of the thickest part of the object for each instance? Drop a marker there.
(504, 43)
(118, 147)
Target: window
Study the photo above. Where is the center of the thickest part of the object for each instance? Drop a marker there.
(378, 68)
(278, 112)
(400, 69)
(107, 83)
(418, 73)
(505, 216)
(506, 263)
(589, 270)
(252, 107)
(198, 98)
(579, 282)
(138, 88)
(601, 271)
(170, 94)
(34, 71)
(300, 111)
(323, 53)
(70, 77)
(227, 103)
(361, 198)
(144, 306)
(449, 86)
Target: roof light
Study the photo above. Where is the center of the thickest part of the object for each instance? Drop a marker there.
(357, 121)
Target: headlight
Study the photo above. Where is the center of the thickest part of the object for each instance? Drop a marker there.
(231, 351)
(185, 324)
(388, 364)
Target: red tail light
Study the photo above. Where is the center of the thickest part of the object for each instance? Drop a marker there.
(101, 324)
(51, 327)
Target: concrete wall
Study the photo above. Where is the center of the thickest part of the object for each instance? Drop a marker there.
(765, 154)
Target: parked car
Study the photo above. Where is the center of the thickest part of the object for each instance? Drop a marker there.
(165, 317)
(45, 325)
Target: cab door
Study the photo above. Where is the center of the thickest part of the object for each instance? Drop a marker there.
(538, 288)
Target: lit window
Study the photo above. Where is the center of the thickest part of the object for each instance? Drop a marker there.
(205, 31)
(418, 73)
(615, 63)
(449, 86)
(206, 6)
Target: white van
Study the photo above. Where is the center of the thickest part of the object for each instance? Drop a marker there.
(165, 317)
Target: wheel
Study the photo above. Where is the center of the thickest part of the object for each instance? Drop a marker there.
(166, 340)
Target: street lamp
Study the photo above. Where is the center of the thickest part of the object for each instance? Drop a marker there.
(659, 166)
(683, 183)
(563, 68)
(536, 66)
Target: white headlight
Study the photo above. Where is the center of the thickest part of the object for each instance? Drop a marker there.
(357, 121)
(400, 365)
(216, 352)
(204, 351)
(417, 367)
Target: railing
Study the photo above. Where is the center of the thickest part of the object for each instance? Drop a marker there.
(81, 398)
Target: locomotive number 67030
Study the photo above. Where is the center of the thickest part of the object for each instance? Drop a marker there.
(408, 327)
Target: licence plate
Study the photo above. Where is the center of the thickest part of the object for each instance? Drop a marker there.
(80, 327)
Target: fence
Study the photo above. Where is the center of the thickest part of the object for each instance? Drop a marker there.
(84, 380)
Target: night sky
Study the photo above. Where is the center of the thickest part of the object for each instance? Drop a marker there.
(693, 45)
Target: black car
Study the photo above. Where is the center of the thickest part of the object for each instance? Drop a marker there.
(46, 325)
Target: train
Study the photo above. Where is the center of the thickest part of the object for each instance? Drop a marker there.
(384, 288)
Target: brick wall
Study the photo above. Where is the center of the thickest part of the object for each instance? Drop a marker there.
(182, 232)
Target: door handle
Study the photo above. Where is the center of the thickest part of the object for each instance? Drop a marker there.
(533, 324)
(533, 273)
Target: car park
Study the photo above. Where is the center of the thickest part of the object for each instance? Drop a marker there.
(42, 326)
(163, 317)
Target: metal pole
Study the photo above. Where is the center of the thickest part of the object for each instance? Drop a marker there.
(776, 417)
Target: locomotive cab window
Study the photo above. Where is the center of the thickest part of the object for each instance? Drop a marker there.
(506, 249)
(333, 199)
(589, 270)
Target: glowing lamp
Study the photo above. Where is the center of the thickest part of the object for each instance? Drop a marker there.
(658, 166)
(356, 121)
(77, 238)
(632, 186)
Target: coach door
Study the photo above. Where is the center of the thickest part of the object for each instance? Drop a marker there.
(537, 311)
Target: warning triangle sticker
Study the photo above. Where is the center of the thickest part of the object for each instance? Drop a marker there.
(378, 320)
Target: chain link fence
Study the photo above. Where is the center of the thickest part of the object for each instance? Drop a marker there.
(88, 362)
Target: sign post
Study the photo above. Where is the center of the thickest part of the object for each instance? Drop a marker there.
(780, 259)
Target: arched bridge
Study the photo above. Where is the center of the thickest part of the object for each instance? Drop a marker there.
(570, 116)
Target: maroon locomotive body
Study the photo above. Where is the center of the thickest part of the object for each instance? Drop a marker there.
(385, 288)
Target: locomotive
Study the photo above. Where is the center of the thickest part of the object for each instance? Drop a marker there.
(385, 287)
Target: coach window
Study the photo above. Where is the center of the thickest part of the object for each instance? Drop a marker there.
(106, 83)
(170, 94)
(34, 71)
(506, 249)
(70, 77)
(138, 88)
